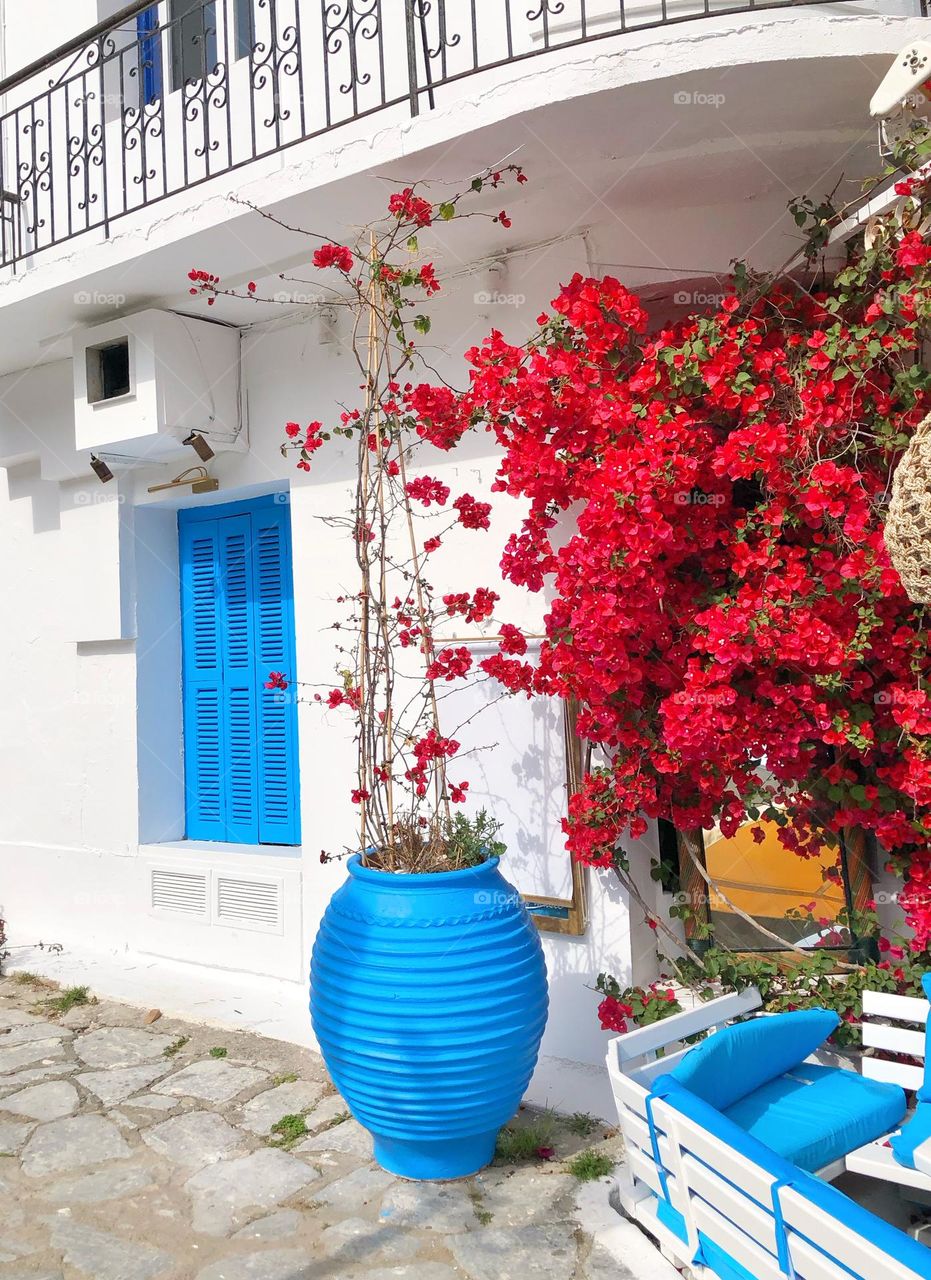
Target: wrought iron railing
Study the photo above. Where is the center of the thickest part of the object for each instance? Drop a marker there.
(164, 96)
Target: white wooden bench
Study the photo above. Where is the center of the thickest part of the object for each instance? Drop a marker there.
(892, 1025)
(723, 1197)
(635, 1059)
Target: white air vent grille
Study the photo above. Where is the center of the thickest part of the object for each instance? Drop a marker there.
(179, 892)
(255, 903)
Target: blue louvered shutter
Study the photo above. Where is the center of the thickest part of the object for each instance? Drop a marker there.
(203, 681)
(240, 756)
(274, 651)
(237, 647)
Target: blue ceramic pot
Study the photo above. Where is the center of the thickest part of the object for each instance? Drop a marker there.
(428, 1000)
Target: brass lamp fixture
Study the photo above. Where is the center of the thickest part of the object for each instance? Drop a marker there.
(196, 477)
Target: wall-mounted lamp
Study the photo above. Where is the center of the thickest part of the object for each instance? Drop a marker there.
(199, 445)
(200, 483)
(100, 469)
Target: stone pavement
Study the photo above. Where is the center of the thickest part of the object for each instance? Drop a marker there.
(145, 1150)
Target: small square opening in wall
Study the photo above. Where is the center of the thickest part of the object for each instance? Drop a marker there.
(108, 371)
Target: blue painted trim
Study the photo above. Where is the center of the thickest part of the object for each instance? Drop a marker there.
(245, 506)
(782, 1236)
(150, 54)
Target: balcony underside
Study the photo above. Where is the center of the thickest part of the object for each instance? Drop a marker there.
(673, 150)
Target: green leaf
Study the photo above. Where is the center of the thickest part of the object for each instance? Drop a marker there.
(422, 324)
(447, 211)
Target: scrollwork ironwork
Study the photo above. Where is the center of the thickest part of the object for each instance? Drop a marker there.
(114, 124)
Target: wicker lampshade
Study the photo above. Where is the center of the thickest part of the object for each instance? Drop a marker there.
(908, 522)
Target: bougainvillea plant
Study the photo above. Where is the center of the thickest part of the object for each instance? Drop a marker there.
(394, 668)
(623, 1007)
(706, 509)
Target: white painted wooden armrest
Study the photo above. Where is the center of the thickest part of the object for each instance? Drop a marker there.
(875, 1160)
(658, 1035)
(923, 1159)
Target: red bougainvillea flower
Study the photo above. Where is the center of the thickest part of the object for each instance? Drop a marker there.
(512, 640)
(204, 282)
(410, 208)
(450, 664)
(457, 793)
(428, 279)
(348, 697)
(334, 255)
(613, 1014)
(474, 608)
(472, 514)
(427, 490)
(276, 680)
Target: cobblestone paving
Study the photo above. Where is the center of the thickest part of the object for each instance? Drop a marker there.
(145, 1151)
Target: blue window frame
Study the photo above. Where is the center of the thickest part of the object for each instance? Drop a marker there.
(237, 624)
(192, 40)
(150, 54)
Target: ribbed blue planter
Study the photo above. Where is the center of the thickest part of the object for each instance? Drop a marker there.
(428, 1000)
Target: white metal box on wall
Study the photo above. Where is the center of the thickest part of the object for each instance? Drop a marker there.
(144, 382)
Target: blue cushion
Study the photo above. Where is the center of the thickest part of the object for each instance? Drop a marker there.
(815, 1115)
(900, 1247)
(736, 1060)
(924, 1092)
(918, 1130)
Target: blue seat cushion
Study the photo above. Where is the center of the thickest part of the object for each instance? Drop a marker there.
(734, 1061)
(917, 1131)
(899, 1247)
(815, 1115)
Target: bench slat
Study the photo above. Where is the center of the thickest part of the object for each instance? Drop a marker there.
(899, 1073)
(811, 1264)
(739, 1208)
(760, 1264)
(879, 1004)
(854, 1250)
(646, 1040)
(877, 1035)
